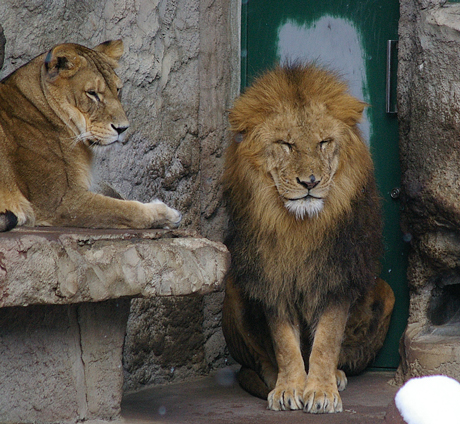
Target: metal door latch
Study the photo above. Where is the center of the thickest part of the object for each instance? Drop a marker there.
(392, 45)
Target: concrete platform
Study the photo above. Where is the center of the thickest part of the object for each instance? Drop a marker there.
(218, 399)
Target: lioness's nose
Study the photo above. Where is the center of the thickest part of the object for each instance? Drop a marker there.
(119, 130)
(309, 183)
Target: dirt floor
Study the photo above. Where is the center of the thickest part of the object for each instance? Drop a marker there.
(218, 399)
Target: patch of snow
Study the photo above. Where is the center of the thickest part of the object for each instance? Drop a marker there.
(430, 400)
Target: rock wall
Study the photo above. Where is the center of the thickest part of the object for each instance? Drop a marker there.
(180, 71)
(429, 115)
(61, 367)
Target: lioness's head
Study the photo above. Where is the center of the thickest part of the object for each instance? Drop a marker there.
(295, 128)
(82, 88)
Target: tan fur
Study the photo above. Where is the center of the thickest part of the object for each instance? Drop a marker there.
(290, 304)
(53, 110)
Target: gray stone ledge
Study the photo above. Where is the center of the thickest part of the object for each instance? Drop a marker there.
(45, 265)
(64, 361)
(429, 352)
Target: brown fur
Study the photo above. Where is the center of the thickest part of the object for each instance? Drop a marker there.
(301, 292)
(53, 110)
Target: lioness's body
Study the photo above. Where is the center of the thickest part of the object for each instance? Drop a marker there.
(305, 239)
(52, 110)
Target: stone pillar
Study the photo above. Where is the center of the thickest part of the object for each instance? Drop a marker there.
(429, 116)
(62, 363)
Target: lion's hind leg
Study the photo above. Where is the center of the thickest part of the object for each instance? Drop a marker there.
(342, 380)
(251, 382)
(366, 328)
(247, 346)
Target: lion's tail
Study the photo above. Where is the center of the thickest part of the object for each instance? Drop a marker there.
(251, 382)
(8, 220)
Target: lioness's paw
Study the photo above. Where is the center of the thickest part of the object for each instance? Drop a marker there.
(319, 400)
(16, 213)
(163, 215)
(8, 220)
(283, 399)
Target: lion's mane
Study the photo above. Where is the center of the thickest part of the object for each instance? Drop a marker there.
(285, 262)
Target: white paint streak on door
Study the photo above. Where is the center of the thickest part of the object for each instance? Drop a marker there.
(331, 42)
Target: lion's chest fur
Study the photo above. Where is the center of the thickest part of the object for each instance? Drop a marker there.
(302, 266)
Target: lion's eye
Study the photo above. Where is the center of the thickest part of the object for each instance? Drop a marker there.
(323, 143)
(93, 95)
(288, 147)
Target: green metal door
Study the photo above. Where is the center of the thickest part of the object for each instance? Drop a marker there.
(351, 37)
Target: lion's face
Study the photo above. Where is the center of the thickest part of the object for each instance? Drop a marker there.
(301, 149)
(81, 86)
(297, 145)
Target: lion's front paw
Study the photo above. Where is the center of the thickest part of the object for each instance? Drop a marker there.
(164, 216)
(322, 399)
(283, 398)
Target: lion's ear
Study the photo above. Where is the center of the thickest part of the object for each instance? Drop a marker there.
(113, 49)
(64, 61)
(348, 109)
(243, 118)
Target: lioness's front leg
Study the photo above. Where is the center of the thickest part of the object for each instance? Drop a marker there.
(86, 209)
(321, 394)
(15, 209)
(292, 377)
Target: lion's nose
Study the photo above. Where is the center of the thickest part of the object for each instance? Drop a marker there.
(309, 183)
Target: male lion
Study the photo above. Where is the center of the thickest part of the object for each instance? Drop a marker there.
(305, 238)
(52, 111)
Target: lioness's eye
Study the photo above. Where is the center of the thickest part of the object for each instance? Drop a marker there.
(92, 94)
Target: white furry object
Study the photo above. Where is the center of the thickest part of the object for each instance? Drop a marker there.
(430, 400)
(303, 207)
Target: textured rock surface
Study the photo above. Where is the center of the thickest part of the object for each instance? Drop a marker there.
(180, 72)
(62, 363)
(186, 342)
(61, 340)
(2, 46)
(61, 266)
(429, 114)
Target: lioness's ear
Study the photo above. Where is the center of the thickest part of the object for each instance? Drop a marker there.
(64, 61)
(113, 49)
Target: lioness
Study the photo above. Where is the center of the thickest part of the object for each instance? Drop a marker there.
(303, 302)
(52, 111)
